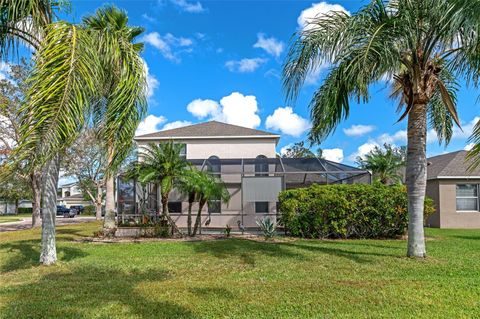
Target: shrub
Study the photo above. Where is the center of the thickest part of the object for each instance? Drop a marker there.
(89, 210)
(346, 211)
(268, 227)
(228, 230)
(25, 210)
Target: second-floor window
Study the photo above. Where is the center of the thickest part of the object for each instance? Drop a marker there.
(467, 197)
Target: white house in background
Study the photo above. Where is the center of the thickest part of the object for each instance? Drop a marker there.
(246, 161)
(71, 194)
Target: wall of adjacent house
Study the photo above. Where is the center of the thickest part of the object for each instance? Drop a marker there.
(226, 148)
(432, 192)
(446, 202)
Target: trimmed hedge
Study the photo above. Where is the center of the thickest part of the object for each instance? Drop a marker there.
(346, 211)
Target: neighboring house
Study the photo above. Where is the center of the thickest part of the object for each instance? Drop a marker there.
(245, 159)
(455, 190)
(71, 194)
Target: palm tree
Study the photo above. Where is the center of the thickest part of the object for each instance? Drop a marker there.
(211, 190)
(122, 100)
(421, 46)
(68, 74)
(189, 185)
(385, 164)
(163, 164)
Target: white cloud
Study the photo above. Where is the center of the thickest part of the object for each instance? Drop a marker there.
(358, 130)
(317, 9)
(469, 146)
(245, 65)
(363, 149)
(165, 44)
(464, 133)
(314, 74)
(284, 149)
(333, 154)
(176, 124)
(148, 18)
(285, 120)
(4, 69)
(270, 45)
(203, 108)
(236, 108)
(192, 7)
(399, 136)
(152, 82)
(150, 124)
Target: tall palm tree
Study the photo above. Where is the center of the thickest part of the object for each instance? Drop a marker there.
(211, 189)
(122, 100)
(163, 164)
(421, 46)
(385, 163)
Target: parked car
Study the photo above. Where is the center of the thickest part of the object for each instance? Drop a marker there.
(71, 213)
(61, 210)
(79, 208)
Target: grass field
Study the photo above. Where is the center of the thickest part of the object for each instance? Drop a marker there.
(237, 278)
(13, 218)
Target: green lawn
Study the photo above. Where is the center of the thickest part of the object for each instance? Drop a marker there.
(13, 218)
(236, 278)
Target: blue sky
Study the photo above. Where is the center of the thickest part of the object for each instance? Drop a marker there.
(222, 60)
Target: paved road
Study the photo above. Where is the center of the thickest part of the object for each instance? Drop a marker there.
(26, 222)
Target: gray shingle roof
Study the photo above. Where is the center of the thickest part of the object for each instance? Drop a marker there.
(207, 129)
(450, 165)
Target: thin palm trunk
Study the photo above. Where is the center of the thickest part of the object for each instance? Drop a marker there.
(98, 203)
(198, 220)
(191, 199)
(36, 185)
(48, 253)
(416, 178)
(109, 220)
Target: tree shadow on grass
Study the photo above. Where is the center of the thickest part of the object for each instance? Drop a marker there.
(87, 292)
(25, 254)
(246, 250)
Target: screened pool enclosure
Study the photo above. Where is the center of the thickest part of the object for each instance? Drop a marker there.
(253, 183)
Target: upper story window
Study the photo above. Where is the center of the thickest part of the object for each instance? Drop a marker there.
(467, 197)
(214, 166)
(261, 166)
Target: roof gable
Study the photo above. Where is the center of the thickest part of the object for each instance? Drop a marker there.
(453, 164)
(207, 130)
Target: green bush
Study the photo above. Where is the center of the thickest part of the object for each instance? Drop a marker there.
(25, 210)
(89, 210)
(346, 211)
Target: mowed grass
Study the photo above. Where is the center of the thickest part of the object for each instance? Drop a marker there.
(13, 218)
(235, 278)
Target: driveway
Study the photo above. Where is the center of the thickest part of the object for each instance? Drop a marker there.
(26, 223)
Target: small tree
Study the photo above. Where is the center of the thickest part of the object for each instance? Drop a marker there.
(299, 150)
(210, 189)
(385, 164)
(86, 161)
(189, 186)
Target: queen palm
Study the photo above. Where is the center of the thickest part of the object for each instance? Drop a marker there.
(122, 105)
(421, 47)
(189, 185)
(385, 164)
(163, 164)
(68, 74)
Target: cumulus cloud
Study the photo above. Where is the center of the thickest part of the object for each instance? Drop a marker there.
(363, 149)
(285, 120)
(167, 43)
(284, 149)
(152, 82)
(192, 7)
(175, 124)
(399, 137)
(333, 154)
(317, 9)
(358, 130)
(469, 146)
(464, 133)
(270, 45)
(245, 65)
(4, 69)
(150, 124)
(236, 108)
(203, 108)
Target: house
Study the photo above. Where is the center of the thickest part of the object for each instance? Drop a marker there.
(455, 191)
(71, 194)
(246, 161)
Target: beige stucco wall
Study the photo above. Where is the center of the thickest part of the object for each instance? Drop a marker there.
(226, 148)
(444, 195)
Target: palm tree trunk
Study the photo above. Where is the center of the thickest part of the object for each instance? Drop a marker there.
(416, 178)
(36, 185)
(189, 216)
(165, 211)
(16, 206)
(98, 203)
(198, 220)
(48, 253)
(109, 220)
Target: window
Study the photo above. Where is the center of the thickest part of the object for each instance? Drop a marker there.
(261, 207)
(175, 207)
(67, 194)
(215, 206)
(214, 166)
(467, 197)
(261, 166)
(183, 152)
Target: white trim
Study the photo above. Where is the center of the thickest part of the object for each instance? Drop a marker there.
(140, 138)
(455, 177)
